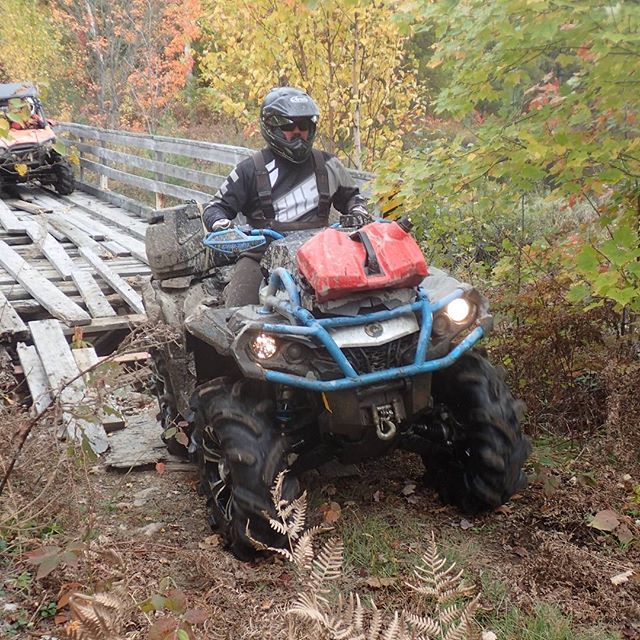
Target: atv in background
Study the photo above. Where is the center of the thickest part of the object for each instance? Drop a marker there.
(27, 142)
(357, 348)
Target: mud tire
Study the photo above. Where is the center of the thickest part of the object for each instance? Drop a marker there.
(240, 453)
(169, 416)
(483, 468)
(65, 182)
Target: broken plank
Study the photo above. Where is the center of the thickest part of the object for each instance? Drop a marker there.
(51, 248)
(119, 284)
(46, 293)
(35, 376)
(92, 295)
(29, 207)
(66, 382)
(10, 322)
(10, 221)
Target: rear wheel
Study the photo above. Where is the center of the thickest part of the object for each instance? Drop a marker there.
(65, 182)
(482, 467)
(240, 453)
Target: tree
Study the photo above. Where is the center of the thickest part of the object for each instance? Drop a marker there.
(348, 54)
(540, 93)
(137, 55)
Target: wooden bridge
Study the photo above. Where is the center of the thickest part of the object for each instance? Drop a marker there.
(75, 264)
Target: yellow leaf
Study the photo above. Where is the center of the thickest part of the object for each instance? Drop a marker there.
(21, 169)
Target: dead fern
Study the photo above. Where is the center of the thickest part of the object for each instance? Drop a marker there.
(451, 604)
(98, 617)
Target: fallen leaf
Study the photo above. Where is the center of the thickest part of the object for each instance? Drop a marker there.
(60, 618)
(377, 496)
(265, 606)
(329, 490)
(195, 616)
(621, 577)
(160, 468)
(606, 520)
(331, 512)
(489, 635)
(413, 499)
(378, 583)
(465, 524)
(503, 508)
(210, 541)
(624, 534)
(408, 489)
(182, 438)
(521, 552)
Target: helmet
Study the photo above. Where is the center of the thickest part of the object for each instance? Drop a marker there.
(279, 108)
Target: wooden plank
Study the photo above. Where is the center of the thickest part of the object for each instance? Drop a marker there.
(112, 215)
(77, 235)
(201, 178)
(46, 293)
(35, 376)
(10, 221)
(10, 322)
(81, 219)
(102, 325)
(156, 186)
(137, 208)
(51, 248)
(66, 382)
(96, 301)
(115, 248)
(128, 293)
(29, 207)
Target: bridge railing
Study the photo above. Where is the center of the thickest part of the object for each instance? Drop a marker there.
(141, 172)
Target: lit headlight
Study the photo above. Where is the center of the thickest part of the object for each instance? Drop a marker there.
(263, 346)
(458, 310)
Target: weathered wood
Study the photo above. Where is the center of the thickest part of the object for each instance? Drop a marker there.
(160, 168)
(112, 215)
(128, 293)
(93, 297)
(10, 323)
(36, 377)
(78, 236)
(69, 211)
(137, 208)
(29, 207)
(50, 247)
(46, 293)
(66, 382)
(182, 193)
(115, 248)
(210, 151)
(10, 221)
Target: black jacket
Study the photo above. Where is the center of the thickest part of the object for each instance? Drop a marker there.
(294, 192)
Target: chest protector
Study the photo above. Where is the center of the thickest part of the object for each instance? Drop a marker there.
(266, 197)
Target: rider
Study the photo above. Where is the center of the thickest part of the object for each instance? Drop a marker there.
(287, 186)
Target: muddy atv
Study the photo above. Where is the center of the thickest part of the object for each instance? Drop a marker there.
(28, 149)
(356, 349)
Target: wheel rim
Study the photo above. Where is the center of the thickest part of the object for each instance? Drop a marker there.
(218, 477)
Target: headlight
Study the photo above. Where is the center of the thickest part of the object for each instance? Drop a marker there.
(458, 310)
(263, 346)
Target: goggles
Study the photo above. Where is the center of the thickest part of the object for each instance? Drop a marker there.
(289, 124)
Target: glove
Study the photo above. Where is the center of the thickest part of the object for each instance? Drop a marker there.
(221, 225)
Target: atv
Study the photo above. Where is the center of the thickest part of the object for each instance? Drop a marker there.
(357, 348)
(27, 142)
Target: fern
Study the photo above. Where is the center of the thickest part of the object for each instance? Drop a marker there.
(95, 617)
(450, 616)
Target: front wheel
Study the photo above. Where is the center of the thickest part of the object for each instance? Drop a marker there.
(241, 451)
(482, 466)
(65, 182)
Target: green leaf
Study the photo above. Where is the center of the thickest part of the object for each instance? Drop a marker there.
(578, 292)
(182, 635)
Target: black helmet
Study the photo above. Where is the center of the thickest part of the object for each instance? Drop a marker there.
(280, 108)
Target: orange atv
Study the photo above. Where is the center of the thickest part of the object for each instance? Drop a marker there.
(28, 149)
